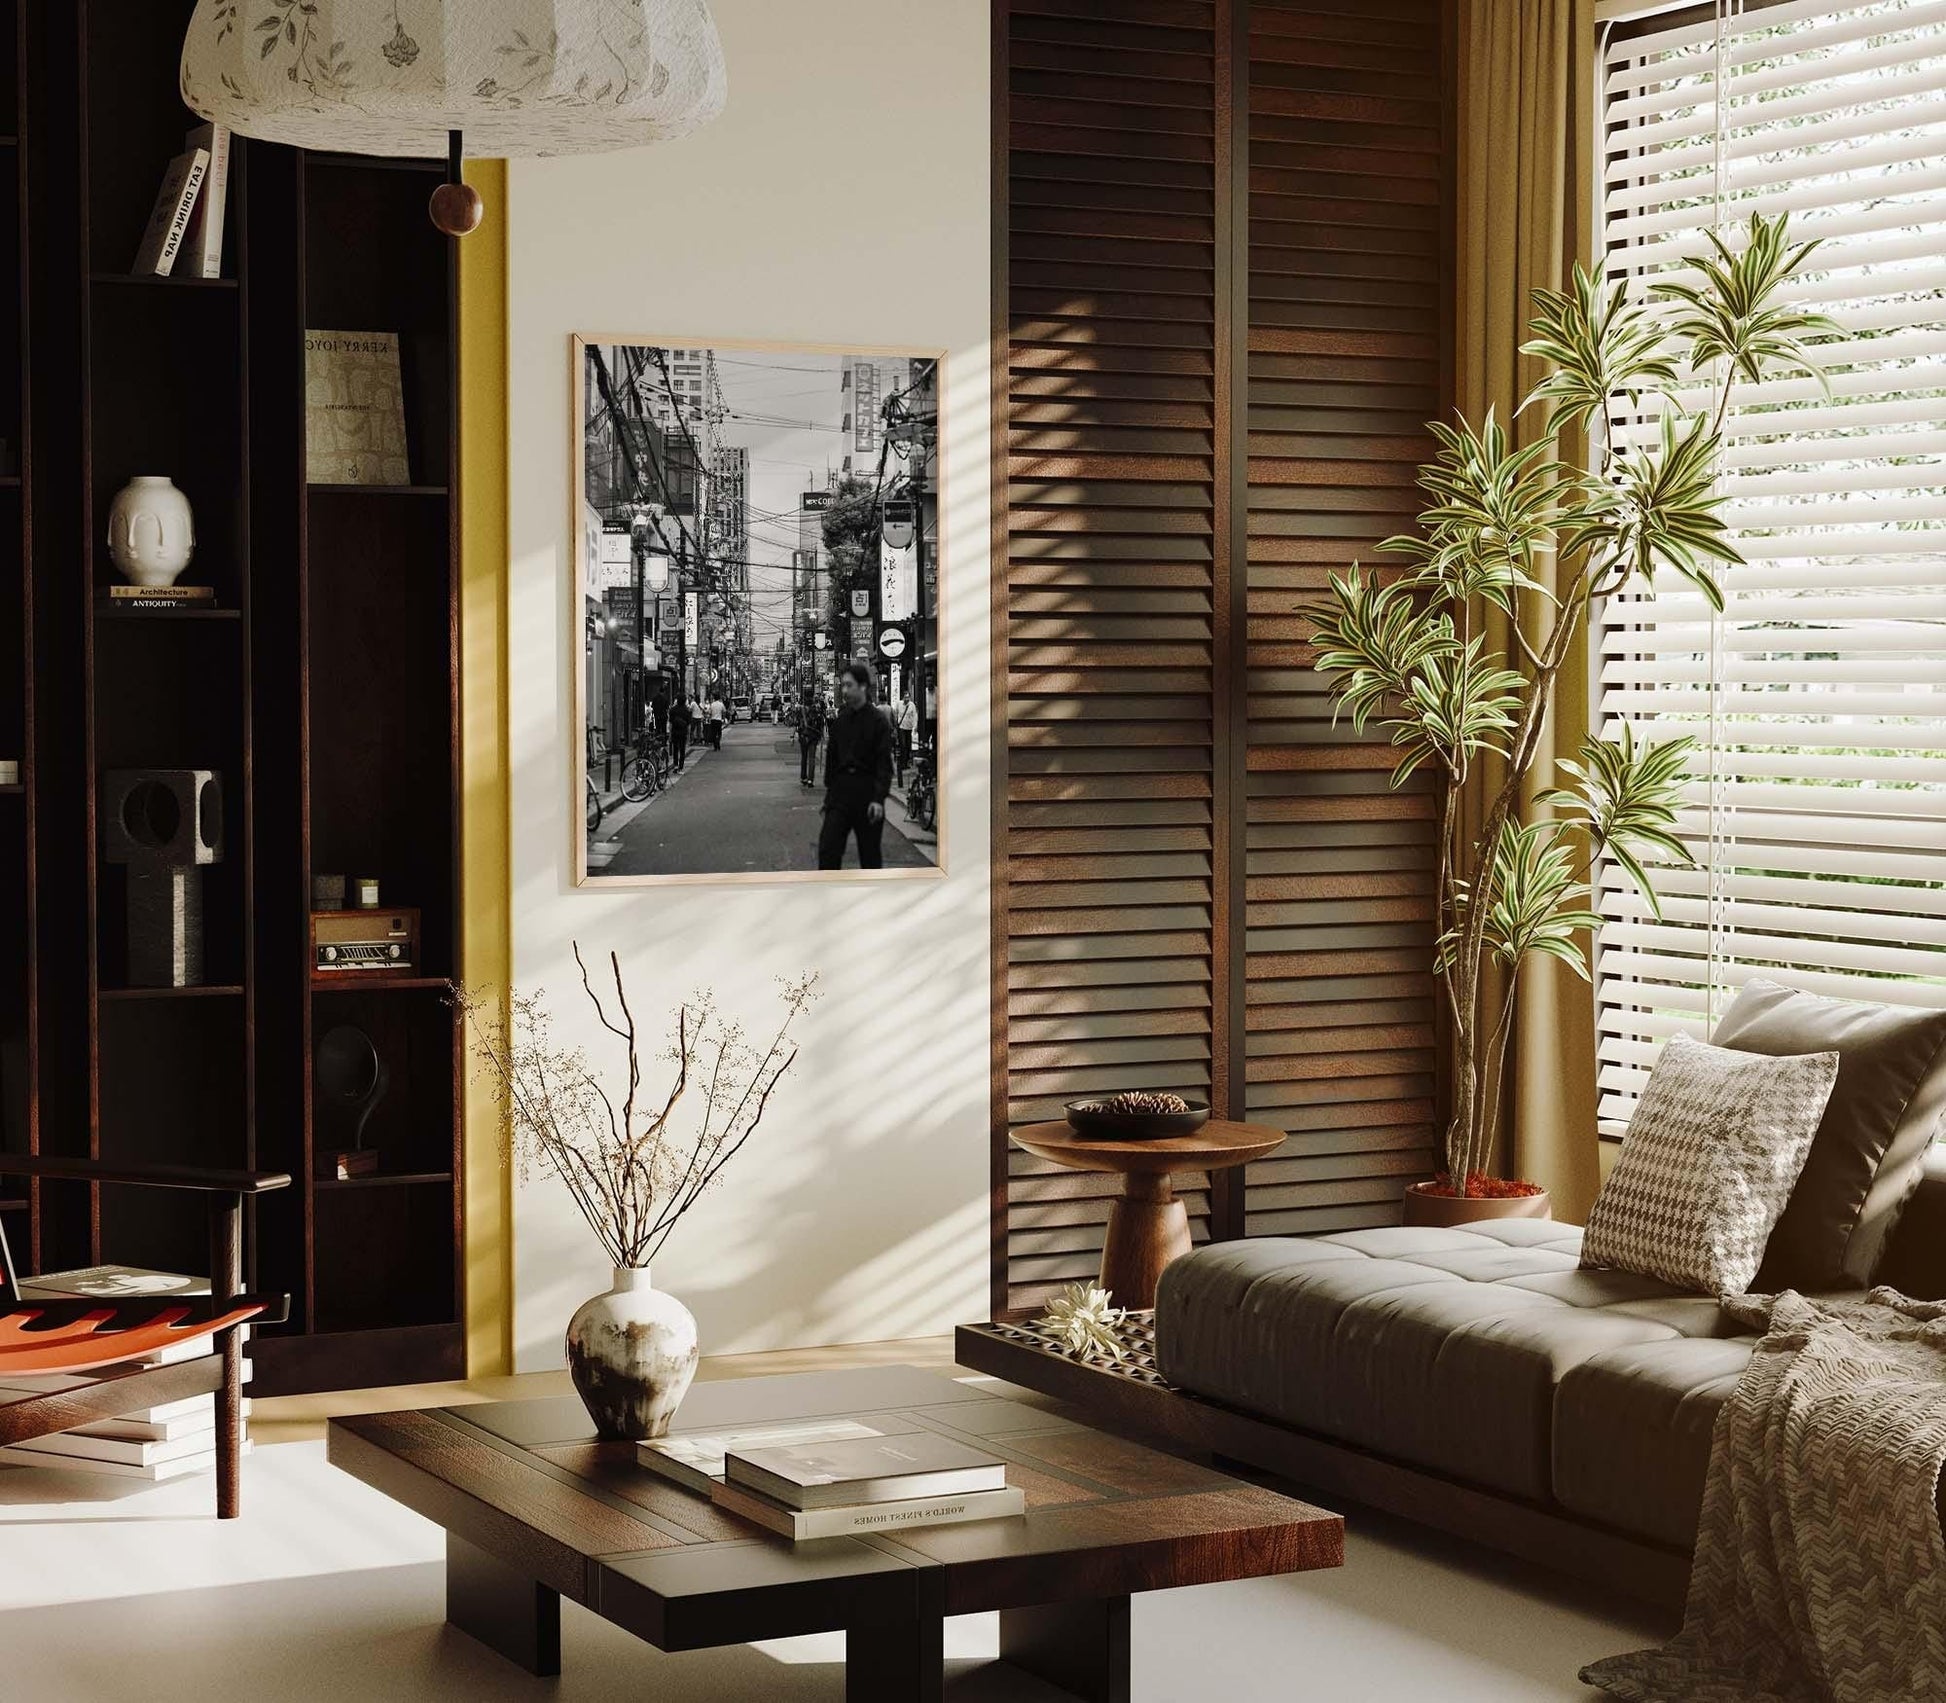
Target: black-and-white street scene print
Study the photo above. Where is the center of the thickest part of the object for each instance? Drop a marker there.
(758, 572)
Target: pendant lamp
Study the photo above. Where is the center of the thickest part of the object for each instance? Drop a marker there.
(505, 79)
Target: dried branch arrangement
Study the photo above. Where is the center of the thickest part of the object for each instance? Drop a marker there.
(632, 1161)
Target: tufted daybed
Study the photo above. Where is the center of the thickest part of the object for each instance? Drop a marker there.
(1483, 1357)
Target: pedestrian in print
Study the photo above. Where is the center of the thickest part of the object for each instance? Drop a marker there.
(678, 731)
(906, 725)
(857, 774)
(810, 735)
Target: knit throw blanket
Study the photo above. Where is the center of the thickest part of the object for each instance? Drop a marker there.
(1820, 1573)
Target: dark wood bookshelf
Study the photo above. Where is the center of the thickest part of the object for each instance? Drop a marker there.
(382, 1180)
(202, 990)
(143, 281)
(19, 820)
(430, 168)
(164, 616)
(322, 685)
(439, 491)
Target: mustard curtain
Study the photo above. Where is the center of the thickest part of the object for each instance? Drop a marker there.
(1526, 184)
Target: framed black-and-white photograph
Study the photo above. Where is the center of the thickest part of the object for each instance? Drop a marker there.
(756, 606)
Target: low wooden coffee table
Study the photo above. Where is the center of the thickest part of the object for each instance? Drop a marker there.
(1147, 1226)
(536, 1509)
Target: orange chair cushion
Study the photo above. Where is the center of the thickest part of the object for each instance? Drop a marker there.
(95, 1340)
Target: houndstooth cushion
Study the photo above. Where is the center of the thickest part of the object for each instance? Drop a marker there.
(1711, 1155)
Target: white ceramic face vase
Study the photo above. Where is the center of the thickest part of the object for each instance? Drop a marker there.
(151, 533)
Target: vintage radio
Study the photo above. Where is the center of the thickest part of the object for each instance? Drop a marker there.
(352, 943)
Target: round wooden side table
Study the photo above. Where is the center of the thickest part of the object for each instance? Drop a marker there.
(1148, 1226)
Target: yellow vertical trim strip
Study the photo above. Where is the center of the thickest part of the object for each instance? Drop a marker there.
(486, 884)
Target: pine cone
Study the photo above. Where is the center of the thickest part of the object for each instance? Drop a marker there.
(1141, 1104)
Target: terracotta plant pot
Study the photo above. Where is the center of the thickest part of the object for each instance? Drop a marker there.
(1427, 1210)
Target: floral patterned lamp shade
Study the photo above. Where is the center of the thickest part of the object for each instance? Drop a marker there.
(513, 78)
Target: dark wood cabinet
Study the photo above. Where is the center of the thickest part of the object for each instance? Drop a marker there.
(18, 1006)
(320, 682)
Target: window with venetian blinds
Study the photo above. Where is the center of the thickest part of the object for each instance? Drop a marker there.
(1818, 698)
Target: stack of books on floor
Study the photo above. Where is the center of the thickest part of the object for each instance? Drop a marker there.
(824, 1478)
(166, 1441)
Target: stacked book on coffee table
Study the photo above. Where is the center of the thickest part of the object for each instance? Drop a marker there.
(824, 1478)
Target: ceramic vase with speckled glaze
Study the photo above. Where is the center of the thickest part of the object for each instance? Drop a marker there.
(632, 1353)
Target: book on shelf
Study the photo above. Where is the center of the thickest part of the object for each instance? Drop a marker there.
(804, 1524)
(694, 1459)
(156, 1424)
(113, 1283)
(29, 1454)
(841, 1473)
(354, 409)
(202, 243)
(200, 1423)
(123, 1451)
(124, 1283)
(152, 605)
(162, 595)
(165, 1440)
(174, 202)
(191, 1348)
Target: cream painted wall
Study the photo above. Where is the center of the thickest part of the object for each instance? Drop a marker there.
(843, 196)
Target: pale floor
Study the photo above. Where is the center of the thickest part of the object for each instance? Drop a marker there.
(326, 1590)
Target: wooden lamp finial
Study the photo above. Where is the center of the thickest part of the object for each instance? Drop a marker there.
(456, 207)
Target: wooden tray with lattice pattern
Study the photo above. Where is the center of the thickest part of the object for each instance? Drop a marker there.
(1134, 1332)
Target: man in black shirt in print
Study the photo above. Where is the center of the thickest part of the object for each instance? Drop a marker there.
(857, 774)
(679, 720)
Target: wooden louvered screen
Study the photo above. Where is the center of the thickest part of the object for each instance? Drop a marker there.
(1346, 174)
(1113, 473)
(1170, 214)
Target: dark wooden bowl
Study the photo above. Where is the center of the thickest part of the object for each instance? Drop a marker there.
(1083, 1119)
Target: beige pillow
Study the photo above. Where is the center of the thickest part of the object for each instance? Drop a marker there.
(1708, 1163)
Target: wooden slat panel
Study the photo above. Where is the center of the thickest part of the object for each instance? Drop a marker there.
(1133, 887)
(1112, 445)
(1346, 181)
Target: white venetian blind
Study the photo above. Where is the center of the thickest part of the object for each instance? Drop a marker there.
(1819, 816)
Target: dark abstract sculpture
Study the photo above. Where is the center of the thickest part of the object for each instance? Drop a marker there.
(351, 1079)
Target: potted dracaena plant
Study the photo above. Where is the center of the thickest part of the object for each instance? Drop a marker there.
(1409, 650)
